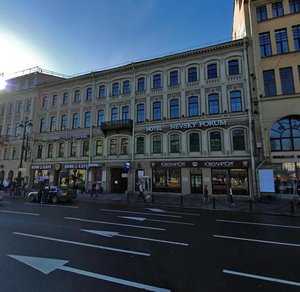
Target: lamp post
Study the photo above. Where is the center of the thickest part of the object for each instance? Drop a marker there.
(24, 124)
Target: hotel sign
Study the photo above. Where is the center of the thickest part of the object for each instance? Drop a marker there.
(189, 125)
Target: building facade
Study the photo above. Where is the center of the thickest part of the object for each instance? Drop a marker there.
(273, 29)
(176, 123)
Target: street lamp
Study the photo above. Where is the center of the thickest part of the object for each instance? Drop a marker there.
(24, 124)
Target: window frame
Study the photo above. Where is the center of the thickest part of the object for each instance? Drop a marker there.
(174, 108)
(238, 141)
(215, 143)
(192, 74)
(214, 104)
(156, 110)
(157, 81)
(281, 40)
(236, 104)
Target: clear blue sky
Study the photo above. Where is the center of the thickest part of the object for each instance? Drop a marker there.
(77, 36)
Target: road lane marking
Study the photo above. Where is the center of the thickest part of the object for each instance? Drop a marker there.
(82, 244)
(270, 279)
(170, 212)
(257, 240)
(141, 213)
(154, 220)
(111, 234)
(112, 223)
(48, 265)
(258, 224)
(51, 205)
(20, 213)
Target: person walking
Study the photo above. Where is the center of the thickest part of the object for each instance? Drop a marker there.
(93, 190)
(141, 191)
(205, 194)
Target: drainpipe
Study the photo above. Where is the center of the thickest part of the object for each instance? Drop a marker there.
(133, 129)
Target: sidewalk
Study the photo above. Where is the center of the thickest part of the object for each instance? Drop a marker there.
(269, 205)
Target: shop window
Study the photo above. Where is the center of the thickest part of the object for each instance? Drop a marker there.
(285, 135)
(140, 145)
(238, 140)
(99, 147)
(196, 181)
(166, 180)
(113, 147)
(174, 143)
(156, 144)
(215, 141)
(194, 142)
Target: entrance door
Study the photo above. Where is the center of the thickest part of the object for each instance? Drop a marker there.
(118, 183)
(196, 182)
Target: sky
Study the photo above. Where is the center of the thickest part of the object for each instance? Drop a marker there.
(80, 36)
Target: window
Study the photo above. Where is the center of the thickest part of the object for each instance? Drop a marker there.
(269, 83)
(156, 110)
(19, 107)
(141, 84)
(102, 91)
(75, 124)
(40, 151)
(265, 44)
(294, 6)
(100, 118)
(215, 141)
(113, 147)
(156, 145)
(64, 122)
(174, 143)
(213, 104)
(238, 140)
(77, 97)
(126, 87)
(140, 145)
(42, 125)
(50, 151)
(45, 102)
(174, 108)
(235, 101)
(285, 135)
(261, 13)
(212, 71)
(99, 147)
(85, 148)
(14, 152)
(277, 9)
(73, 149)
(114, 114)
(54, 100)
(65, 98)
(281, 41)
(10, 109)
(28, 106)
(287, 81)
(157, 81)
(87, 120)
(233, 67)
(61, 149)
(53, 124)
(115, 88)
(174, 78)
(194, 142)
(125, 113)
(296, 35)
(89, 94)
(192, 74)
(140, 117)
(17, 130)
(166, 180)
(193, 106)
(124, 146)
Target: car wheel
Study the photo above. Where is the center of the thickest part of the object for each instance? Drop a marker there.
(31, 198)
(54, 199)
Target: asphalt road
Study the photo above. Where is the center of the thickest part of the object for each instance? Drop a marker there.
(118, 247)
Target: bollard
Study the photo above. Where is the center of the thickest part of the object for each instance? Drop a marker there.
(214, 203)
(292, 207)
(250, 204)
(181, 200)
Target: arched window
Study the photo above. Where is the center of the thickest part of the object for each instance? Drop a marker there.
(285, 134)
(238, 140)
(194, 142)
(99, 147)
(113, 147)
(215, 141)
(87, 120)
(192, 74)
(174, 143)
(157, 145)
(75, 124)
(140, 145)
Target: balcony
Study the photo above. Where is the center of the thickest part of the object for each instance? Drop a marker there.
(116, 125)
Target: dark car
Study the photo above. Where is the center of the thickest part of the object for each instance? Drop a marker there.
(56, 194)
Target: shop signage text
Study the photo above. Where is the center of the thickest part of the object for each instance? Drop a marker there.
(47, 166)
(79, 166)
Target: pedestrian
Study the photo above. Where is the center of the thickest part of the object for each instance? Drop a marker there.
(141, 191)
(205, 194)
(93, 190)
(6, 184)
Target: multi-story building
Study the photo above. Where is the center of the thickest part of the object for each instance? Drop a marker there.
(17, 109)
(177, 123)
(273, 29)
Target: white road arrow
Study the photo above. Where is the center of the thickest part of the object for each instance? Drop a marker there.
(153, 220)
(156, 210)
(47, 265)
(111, 234)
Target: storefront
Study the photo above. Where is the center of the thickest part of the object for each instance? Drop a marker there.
(41, 174)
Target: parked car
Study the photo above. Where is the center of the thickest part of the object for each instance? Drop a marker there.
(56, 194)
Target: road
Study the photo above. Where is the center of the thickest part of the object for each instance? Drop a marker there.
(87, 246)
